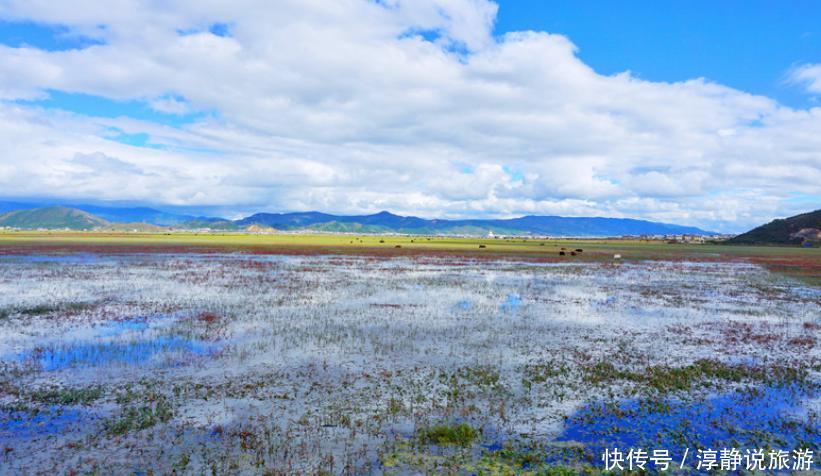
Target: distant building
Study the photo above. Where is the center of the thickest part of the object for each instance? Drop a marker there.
(692, 239)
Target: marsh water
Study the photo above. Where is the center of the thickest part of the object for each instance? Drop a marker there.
(235, 363)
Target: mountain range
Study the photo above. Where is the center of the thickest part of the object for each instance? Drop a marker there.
(385, 222)
(86, 217)
(111, 214)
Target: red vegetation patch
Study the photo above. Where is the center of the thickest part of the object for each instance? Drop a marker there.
(805, 341)
(208, 317)
(739, 332)
(732, 333)
(796, 265)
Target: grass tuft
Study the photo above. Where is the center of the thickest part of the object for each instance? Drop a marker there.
(449, 435)
(140, 417)
(67, 396)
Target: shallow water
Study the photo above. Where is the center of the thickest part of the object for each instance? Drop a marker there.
(131, 342)
(242, 363)
(91, 354)
(748, 418)
(512, 302)
(49, 421)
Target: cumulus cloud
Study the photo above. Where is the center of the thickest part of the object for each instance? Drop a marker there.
(412, 106)
(808, 75)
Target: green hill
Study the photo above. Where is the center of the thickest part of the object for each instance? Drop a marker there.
(209, 223)
(51, 218)
(134, 227)
(786, 231)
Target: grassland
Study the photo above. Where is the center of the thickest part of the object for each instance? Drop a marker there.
(803, 263)
(593, 248)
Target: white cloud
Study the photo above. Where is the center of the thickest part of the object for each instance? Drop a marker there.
(345, 106)
(808, 75)
(169, 105)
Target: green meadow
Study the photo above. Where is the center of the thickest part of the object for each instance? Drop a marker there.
(593, 248)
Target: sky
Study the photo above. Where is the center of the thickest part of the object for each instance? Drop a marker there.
(698, 113)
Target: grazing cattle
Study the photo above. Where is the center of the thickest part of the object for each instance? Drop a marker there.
(572, 253)
(616, 256)
(398, 246)
(579, 250)
(482, 246)
(561, 253)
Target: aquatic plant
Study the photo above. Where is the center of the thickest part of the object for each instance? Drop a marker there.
(67, 396)
(152, 408)
(460, 434)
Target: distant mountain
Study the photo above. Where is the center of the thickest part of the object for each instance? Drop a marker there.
(286, 220)
(6, 207)
(385, 222)
(210, 223)
(135, 215)
(53, 218)
(114, 219)
(112, 214)
(786, 231)
(134, 228)
(83, 217)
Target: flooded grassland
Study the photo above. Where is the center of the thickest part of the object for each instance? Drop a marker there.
(232, 363)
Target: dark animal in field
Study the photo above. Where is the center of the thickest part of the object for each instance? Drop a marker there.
(572, 253)
(398, 246)
(482, 246)
(561, 253)
(579, 250)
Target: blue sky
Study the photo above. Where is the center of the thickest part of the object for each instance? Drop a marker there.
(48, 36)
(421, 107)
(745, 44)
(100, 106)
